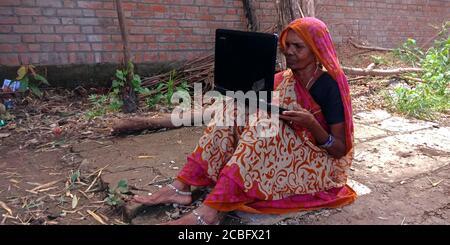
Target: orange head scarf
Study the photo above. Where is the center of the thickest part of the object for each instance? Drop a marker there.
(316, 35)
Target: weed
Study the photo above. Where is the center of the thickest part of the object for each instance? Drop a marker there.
(424, 99)
(115, 195)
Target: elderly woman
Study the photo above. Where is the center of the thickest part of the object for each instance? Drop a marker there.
(303, 167)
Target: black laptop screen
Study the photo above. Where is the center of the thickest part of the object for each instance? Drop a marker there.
(244, 61)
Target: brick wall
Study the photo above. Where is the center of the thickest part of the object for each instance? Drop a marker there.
(48, 32)
(386, 23)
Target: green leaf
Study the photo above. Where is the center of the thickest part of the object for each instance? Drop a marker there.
(41, 78)
(117, 84)
(120, 74)
(122, 186)
(144, 91)
(75, 176)
(23, 84)
(161, 86)
(35, 90)
(21, 72)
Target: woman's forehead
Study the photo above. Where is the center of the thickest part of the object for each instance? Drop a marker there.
(293, 37)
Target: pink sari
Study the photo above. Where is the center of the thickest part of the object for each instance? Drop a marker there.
(283, 173)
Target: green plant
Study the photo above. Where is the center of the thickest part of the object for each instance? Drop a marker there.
(423, 100)
(115, 195)
(378, 60)
(30, 79)
(74, 176)
(165, 91)
(101, 104)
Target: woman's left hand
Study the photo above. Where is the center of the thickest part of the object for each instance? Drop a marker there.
(298, 116)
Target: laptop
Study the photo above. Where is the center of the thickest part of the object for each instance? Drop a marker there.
(245, 61)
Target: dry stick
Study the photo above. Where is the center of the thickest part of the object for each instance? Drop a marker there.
(378, 72)
(100, 169)
(5, 207)
(94, 181)
(412, 79)
(45, 185)
(357, 78)
(96, 217)
(369, 47)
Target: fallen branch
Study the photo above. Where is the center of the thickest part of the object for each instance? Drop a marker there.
(141, 123)
(128, 125)
(374, 48)
(378, 72)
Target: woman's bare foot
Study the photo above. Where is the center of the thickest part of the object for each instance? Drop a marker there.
(167, 195)
(208, 216)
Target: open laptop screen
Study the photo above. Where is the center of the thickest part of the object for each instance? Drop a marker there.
(244, 61)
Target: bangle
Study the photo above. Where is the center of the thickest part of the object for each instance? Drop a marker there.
(329, 142)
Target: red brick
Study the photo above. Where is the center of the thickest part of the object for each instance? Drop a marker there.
(49, 3)
(85, 47)
(26, 20)
(49, 12)
(74, 38)
(129, 6)
(5, 29)
(28, 11)
(47, 47)
(9, 20)
(26, 29)
(9, 3)
(136, 38)
(69, 3)
(69, 12)
(67, 29)
(9, 59)
(48, 29)
(6, 11)
(106, 13)
(110, 5)
(90, 4)
(72, 47)
(5, 48)
(47, 20)
(48, 38)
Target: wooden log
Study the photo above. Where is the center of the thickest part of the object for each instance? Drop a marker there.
(378, 72)
(134, 124)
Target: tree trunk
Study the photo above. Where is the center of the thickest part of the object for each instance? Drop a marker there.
(309, 8)
(287, 11)
(128, 94)
(250, 14)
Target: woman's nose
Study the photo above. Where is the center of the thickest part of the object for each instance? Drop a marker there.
(289, 50)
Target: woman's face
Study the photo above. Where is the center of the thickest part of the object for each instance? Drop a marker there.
(298, 55)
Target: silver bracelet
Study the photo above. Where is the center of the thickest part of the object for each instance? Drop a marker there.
(329, 142)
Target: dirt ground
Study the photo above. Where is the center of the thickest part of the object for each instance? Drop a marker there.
(401, 168)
